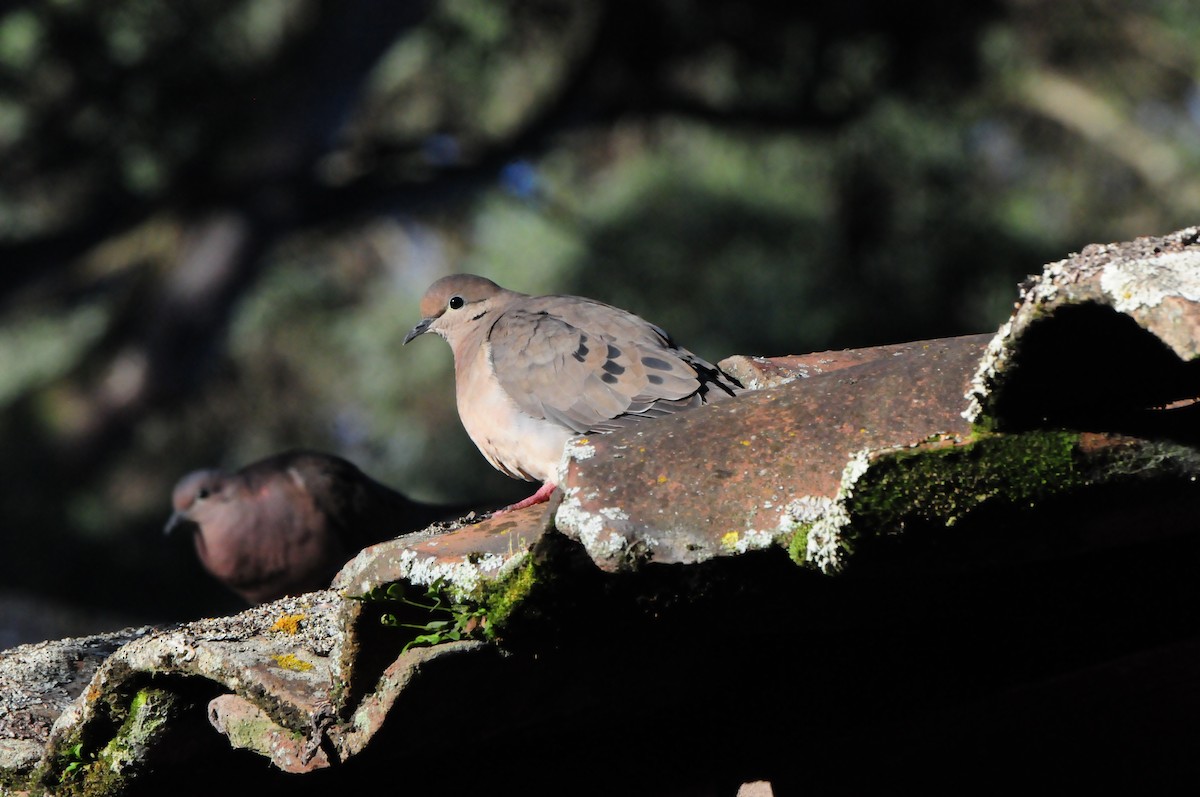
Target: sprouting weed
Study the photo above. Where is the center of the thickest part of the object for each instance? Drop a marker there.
(456, 620)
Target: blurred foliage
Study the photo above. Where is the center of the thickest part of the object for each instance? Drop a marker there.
(217, 216)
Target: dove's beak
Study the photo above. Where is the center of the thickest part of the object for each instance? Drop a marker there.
(176, 520)
(419, 329)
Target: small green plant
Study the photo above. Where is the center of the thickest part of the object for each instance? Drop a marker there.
(75, 761)
(456, 620)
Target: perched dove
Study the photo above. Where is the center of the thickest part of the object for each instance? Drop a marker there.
(286, 524)
(533, 371)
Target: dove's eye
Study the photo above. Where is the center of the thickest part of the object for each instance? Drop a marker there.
(202, 493)
(456, 302)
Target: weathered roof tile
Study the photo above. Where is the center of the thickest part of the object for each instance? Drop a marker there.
(745, 473)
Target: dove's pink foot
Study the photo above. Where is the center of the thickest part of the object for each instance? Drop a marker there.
(541, 496)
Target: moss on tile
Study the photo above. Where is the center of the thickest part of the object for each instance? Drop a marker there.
(79, 768)
(255, 733)
(941, 482)
(945, 482)
(501, 598)
(798, 544)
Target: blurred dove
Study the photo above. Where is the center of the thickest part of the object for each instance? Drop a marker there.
(533, 371)
(286, 524)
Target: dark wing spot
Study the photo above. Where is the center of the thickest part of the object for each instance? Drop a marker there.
(654, 379)
(608, 379)
(614, 368)
(582, 351)
(657, 364)
(613, 352)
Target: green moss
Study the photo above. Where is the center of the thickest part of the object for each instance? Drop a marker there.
(798, 545)
(256, 734)
(138, 702)
(81, 768)
(503, 597)
(940, 482)
(65, 772)
(984, 425)
(121, 759)
(944, 483)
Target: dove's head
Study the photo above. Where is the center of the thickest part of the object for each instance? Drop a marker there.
(454, 304)
(194, 494)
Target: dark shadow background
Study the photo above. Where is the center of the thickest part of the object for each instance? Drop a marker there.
(217, 218)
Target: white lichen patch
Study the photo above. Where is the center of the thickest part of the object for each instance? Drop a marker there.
(825, 547)
(601, 545)
(993, 361)
(806, 511)
(592, 529)
(577, 449)
(462, 577)
(510, 563)
(748, 540)
(491, 563)
(860, 462)
(1044, 288)
(1138, 284)
(614, 513)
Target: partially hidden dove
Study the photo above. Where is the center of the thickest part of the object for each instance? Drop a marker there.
(533, 371)
(286, 524)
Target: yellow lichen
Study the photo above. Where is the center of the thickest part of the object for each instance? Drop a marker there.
(729, 541)
(288, 623)
(290, 661)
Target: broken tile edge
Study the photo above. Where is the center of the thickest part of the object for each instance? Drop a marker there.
(1120, 283)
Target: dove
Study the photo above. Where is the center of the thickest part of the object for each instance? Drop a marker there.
(286, 524)
(533, 371)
